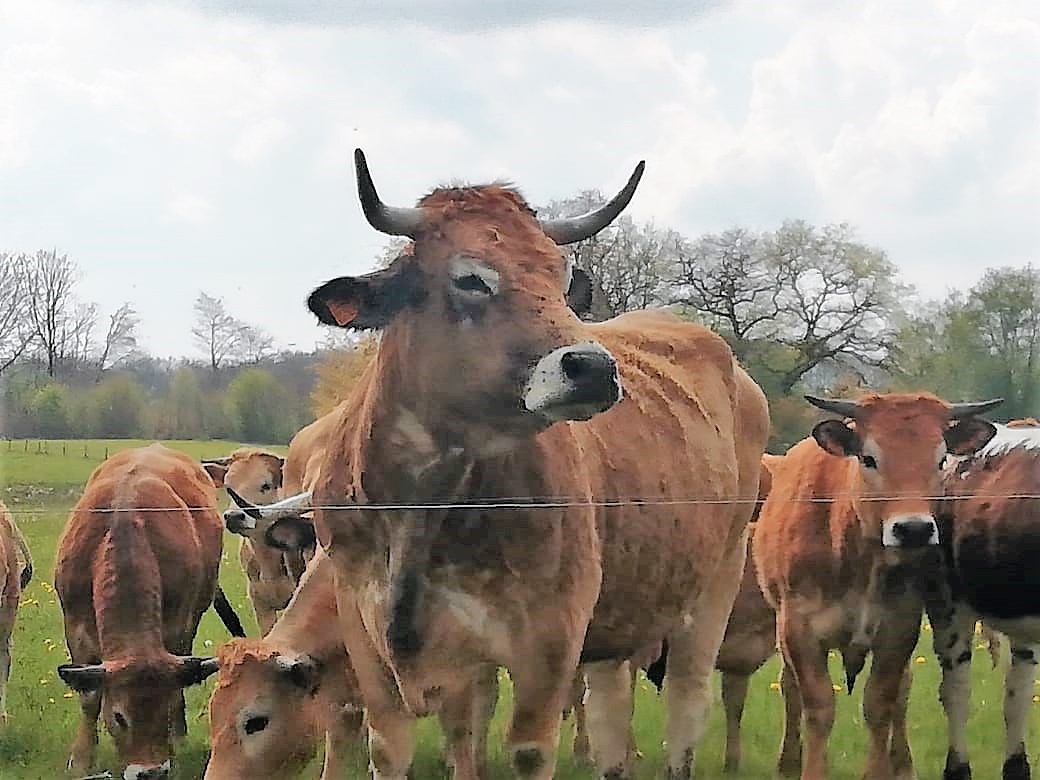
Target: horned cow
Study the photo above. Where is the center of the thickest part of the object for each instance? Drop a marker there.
(487, 387)
(136, 568)
(851, 512)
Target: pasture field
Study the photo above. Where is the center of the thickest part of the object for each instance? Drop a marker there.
(40, 488)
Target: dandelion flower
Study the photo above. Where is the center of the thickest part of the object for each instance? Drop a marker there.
(920, 659)
(774, 686)
(837, 688)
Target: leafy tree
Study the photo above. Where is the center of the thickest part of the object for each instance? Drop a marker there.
(338, 371)
(117, 408)
(50, 411)
(258, 406)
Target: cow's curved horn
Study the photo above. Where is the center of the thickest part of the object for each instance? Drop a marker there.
(839, 407)
(226, 460)
(571, 229)
(962, 410)
(391, 220)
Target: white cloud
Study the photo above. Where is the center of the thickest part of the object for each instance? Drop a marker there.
(122, 123)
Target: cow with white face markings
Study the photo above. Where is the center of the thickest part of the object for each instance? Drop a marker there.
(487, 389)
(991, 538)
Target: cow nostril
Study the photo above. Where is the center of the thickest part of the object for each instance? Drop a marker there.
(914, 532)
(586, 365)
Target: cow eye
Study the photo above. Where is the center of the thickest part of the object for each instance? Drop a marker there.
(265, 487)
(869, 462)
(120, 720)
(471, 284)
(256, 723)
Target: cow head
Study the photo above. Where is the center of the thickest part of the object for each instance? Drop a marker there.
(255, 474)
(901, 441)
(138, 698)
(481, 335)
(263, 716)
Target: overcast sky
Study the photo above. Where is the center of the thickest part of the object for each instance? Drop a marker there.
(173, 147)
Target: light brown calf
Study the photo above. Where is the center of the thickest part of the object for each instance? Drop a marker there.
(14, 576)
(851, 506)
(136, 568)
(276, 696)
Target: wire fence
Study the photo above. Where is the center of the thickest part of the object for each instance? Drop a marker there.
(64, 448)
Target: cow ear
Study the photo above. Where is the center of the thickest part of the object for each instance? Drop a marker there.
(837, 438)
(969, 435)
(302, 671)
(291, 534)
(194, 670)
(370, 301)
(216, 471)
(579, 294)
(81, 678)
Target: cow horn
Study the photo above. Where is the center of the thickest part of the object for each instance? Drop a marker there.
(250, 509)
(572, 229)
(962, 410)
(391, 220)
(837, 406)
(217, 461)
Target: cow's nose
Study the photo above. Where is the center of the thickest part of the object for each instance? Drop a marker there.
(589, 366)
(911, 532)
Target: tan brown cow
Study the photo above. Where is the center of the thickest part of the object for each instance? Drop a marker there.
(14, 576)
(991, 537)
(273, 558)
(488, 388)
(847, 504)
(276, 696)
(136, 568)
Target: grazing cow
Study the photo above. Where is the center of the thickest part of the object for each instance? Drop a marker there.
(276, 696)
(487, 387)
(136, 568)
(14, 576)
(272, 558)
(850, 514)
(991, 538)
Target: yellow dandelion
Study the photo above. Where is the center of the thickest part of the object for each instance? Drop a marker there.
(837, 688)
(43, 681)
(927, 627)
(69, 694)
(774, 686)
(50, 701)
(1036, 699)
(919, 660)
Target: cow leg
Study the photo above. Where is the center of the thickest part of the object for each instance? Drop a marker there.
(899, 750)
(266, 616)
(692, 652)
(542, 683)
(790, 762)
(343, 732)
(84, 747)
(466, 717)
(953, 641)
(806, 659)
(1018, 697)
(391, 744)
(896, 637)
(608, 709)
(582, 751)
(734, 695)
(5, 661)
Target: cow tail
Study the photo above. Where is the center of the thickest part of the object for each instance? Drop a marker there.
(27, 561)
(227, 614)
(655, 672)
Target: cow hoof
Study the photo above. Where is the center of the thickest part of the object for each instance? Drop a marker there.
(791, 766)
(956, 771)
(1016, 767)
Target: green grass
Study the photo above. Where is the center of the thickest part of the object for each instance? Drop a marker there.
(40, 489)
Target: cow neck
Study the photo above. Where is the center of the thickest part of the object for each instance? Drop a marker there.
(309, 624)
(270, 561)
(127, 589)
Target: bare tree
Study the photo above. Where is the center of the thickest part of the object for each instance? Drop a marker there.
(216, 332)
(15, 332)
(120, 340)
(793, 299)
(254, 343)
(60, 327)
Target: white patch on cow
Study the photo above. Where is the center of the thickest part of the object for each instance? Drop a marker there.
(1024, 631)
(136, 771)
(888, 529)
(461, 266)
(1007, 439)
(474, 616)
(548, 385)
(830, 620)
